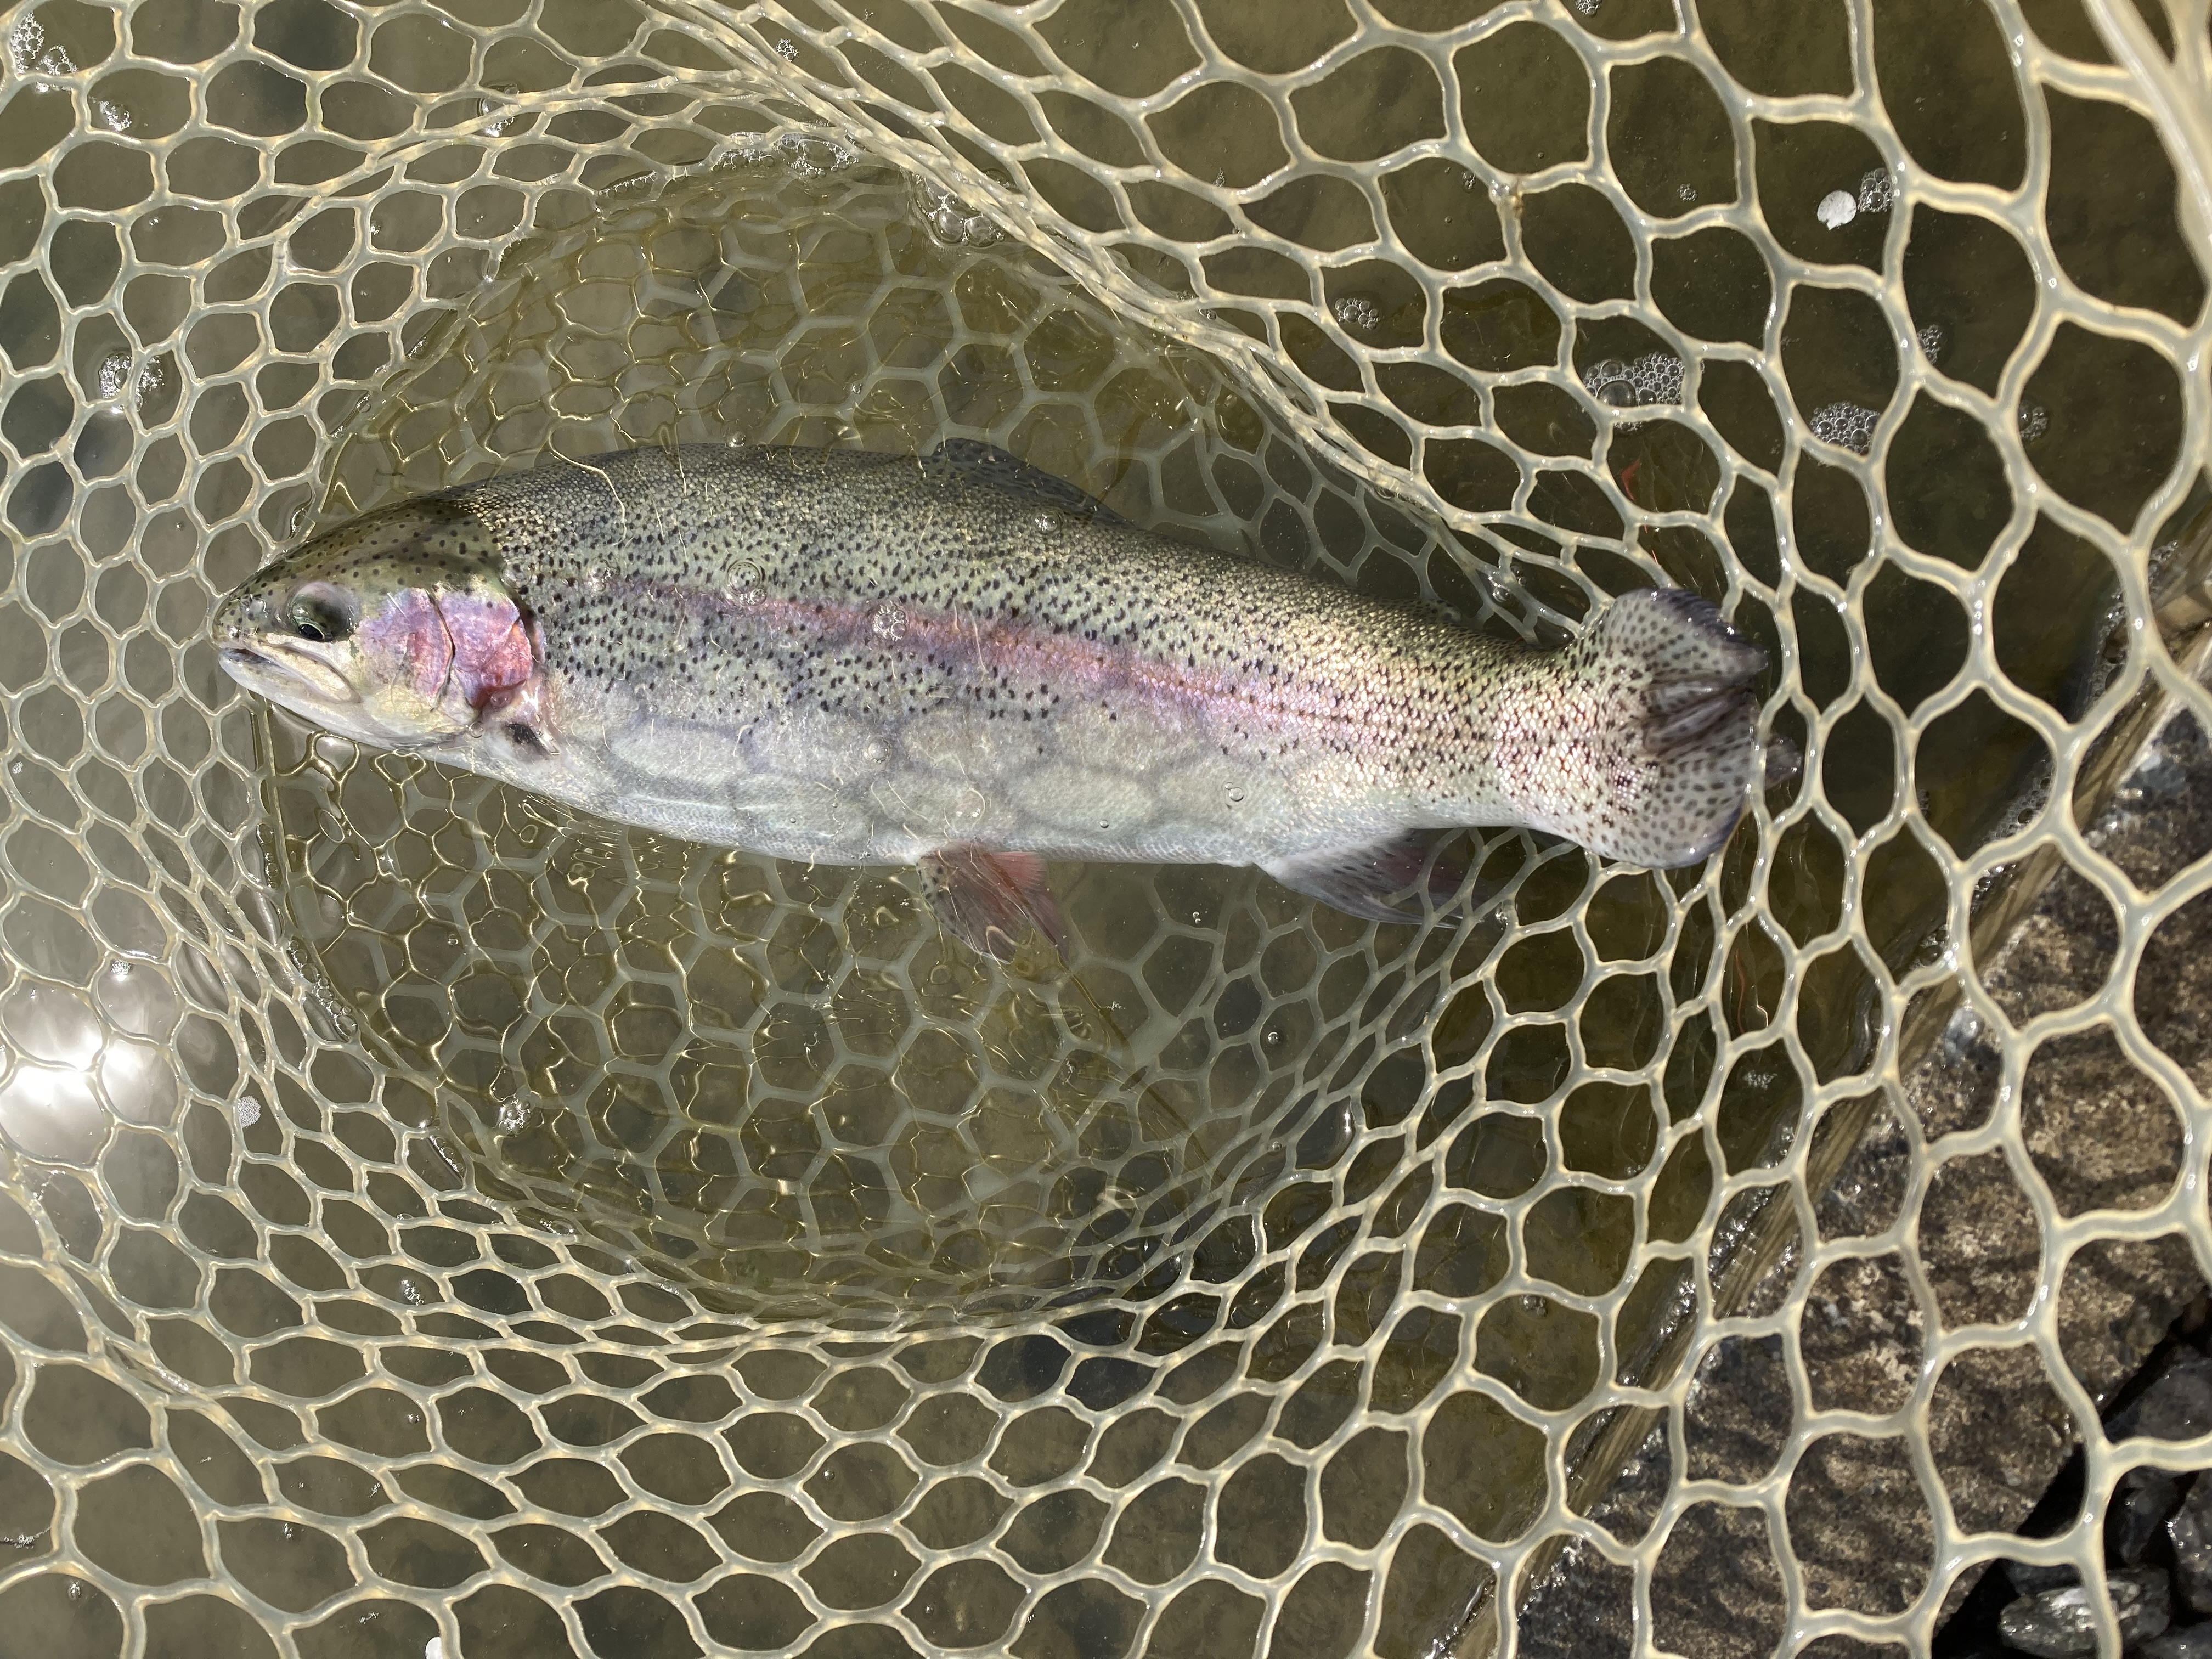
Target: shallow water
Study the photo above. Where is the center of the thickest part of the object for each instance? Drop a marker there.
(642, 1171)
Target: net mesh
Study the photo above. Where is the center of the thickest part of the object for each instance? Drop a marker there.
(431, 1218)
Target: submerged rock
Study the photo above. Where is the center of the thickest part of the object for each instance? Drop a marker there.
(2141, 1501)
(2178, 1405)
(2059, 1623)
(2194, 1643)
(2032, 1580)
(2191, 1532)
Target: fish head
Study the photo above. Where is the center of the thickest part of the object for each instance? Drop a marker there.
(396, 628)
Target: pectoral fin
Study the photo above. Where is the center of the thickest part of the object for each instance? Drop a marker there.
(517, 715)
(990, 901)
(1385, 882)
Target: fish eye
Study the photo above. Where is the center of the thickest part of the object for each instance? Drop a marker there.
(321, 613)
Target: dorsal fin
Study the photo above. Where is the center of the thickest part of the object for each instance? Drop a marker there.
(972, 459)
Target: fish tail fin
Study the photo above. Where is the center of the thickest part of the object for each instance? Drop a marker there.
(1679, 751)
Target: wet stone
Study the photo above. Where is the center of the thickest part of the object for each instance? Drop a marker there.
(1998, 1433)
(2177, 1406)
(1860, 1337)
(2060, 953)
(2115, 1304)
(2190, 1534)
(2194, 1643)
(1739, 1410)
(2160, 821)
(1954, 1086)
(2032, 1579)
(1716, 1593)
(1584, 1608)
(1849, 1647)
(1979, 1242)
(1628, 1507)
(2059, 1623)
(1859, 1524)
(2141, 1501)
(1869, 1189)
(2101, 1132)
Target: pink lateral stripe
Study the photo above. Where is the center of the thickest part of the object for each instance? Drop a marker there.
(1026, 653)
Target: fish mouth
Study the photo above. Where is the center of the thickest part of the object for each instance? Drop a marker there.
(289, 676)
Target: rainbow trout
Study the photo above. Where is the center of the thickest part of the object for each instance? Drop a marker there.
(964, 664)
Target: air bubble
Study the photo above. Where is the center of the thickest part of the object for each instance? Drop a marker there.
(2034, 421)
(595, 580)
(888, 622)
(1234, 794)
(25, 37)
(1877, 191)
(28, 52)
(1653, 377)
(744, 587)
(108, 115)
(874, 752)
(1931, 340)
(969, 809)
(514, 1116)
(114, 376)
(1847, 426)
(953, 223)
(746, 152)
(1357, 313)
(810, 155)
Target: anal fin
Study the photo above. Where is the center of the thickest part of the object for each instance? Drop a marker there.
(1385, 882)
(991, 901)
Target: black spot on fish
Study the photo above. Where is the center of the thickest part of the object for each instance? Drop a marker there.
(524, 736)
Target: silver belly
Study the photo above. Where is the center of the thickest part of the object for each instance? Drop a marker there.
(1084, 785)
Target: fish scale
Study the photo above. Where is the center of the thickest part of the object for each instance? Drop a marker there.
(857, 657)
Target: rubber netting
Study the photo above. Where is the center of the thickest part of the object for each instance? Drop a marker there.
(437, 1225)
